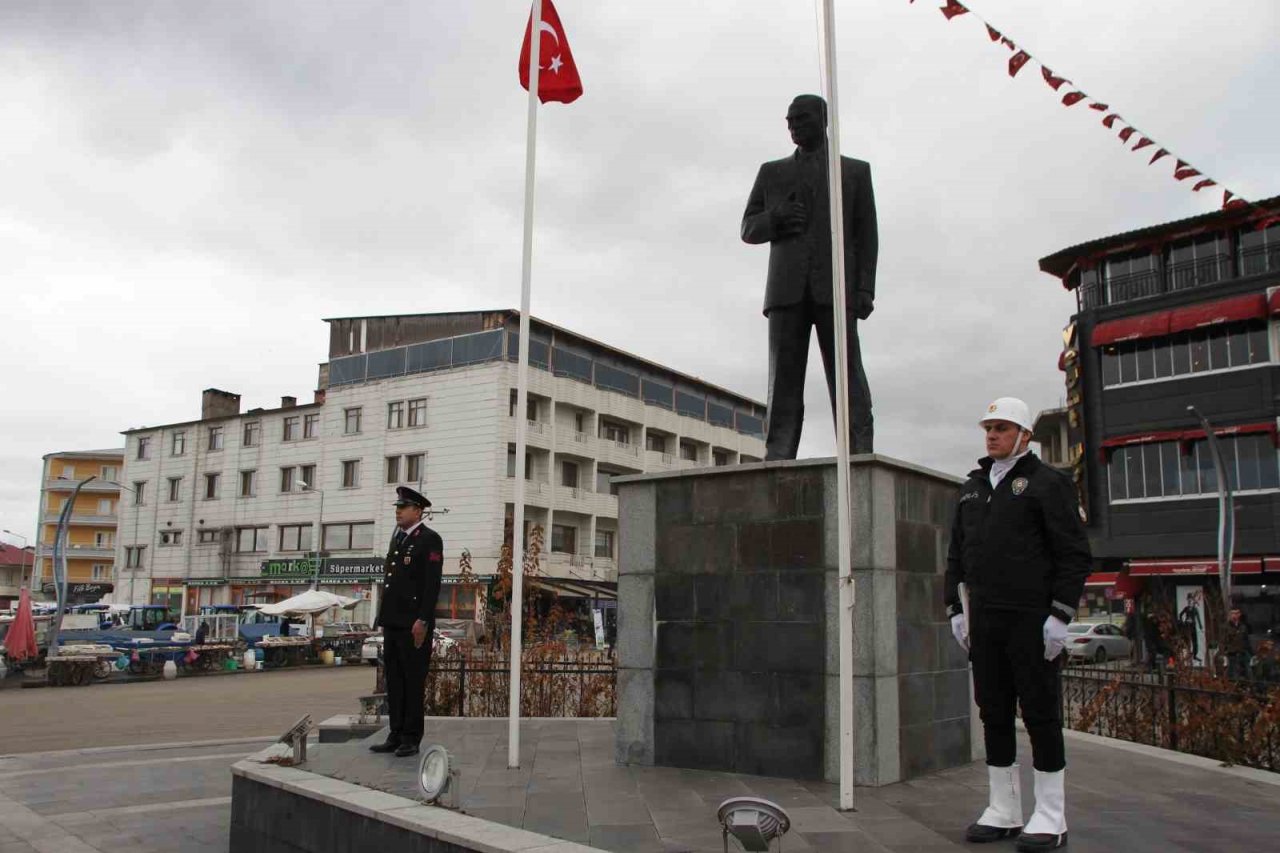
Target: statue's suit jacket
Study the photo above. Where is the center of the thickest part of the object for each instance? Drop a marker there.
(793, 259)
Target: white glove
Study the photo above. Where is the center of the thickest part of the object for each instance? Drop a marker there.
(1055, 637)
(960, 631)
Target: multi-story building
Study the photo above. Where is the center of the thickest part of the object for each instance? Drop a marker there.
(15, 567)
(91, 532)
(1174, 315)
(233, 507)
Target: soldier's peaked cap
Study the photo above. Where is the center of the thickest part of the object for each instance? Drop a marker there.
(406, 496)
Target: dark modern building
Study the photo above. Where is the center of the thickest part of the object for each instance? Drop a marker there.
(1169, 316)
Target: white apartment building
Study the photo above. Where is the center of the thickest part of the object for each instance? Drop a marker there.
(219, 512)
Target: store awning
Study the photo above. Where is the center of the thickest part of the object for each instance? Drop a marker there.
(1264, 428)
(1110, 444)
(1250, 307)
(1271, 564)
(569, 588)
(1273, 302)
(1101, 579)
(1155, 325)
(1193, 566)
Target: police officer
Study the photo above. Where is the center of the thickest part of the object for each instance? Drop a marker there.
(1019, 547)
(407, 616)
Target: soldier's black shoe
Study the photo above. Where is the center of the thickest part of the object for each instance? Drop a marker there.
(385, 746)
(404, 750)
(979, 833)
(1041, 841)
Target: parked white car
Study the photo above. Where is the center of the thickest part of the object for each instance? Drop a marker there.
(1096, 642)
(371, 650)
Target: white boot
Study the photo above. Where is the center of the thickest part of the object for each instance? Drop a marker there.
(1047, 829)
(1003, 817)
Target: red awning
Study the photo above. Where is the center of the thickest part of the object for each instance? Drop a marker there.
(1101, 579)
(1273, 301)
(1131, 328)
(1271, 564)
(1265, 428)
(1250, 307)
(1193, 566)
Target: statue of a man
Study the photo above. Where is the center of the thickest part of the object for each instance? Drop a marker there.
(789, 209)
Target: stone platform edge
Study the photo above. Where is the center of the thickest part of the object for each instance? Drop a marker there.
(407, 824)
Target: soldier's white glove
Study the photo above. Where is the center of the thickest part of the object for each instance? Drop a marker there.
(960, 631)
(1055, 637)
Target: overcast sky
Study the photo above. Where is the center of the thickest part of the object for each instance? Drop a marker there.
(188, 188)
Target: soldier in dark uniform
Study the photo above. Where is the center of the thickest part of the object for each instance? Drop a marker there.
(407, 616)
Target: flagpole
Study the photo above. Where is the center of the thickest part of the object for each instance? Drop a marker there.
(522, 396)
(839, 308)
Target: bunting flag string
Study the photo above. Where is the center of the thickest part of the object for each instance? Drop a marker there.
(952, 9)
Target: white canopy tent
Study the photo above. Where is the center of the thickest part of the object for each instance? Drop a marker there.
(308, 603)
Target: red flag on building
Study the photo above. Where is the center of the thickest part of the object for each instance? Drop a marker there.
(558, 78)
(1125, 134)
(1102, 108)
(1156, 156)
(1072, 98)
(1142, 143)
(1054, 81)
(1110, 120)
(1016, 62)
(1207, 182)
(1185, 172)
(952, 9)
(993, 32)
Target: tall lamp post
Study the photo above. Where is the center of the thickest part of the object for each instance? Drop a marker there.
(22, 572)
(137, 514)
(319, 543)
(60, 560)
(1226, 512)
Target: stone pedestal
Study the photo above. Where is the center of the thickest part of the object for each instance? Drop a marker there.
(727, 634)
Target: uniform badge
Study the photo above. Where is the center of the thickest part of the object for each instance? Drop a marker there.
(1019, 485)
(406, 559)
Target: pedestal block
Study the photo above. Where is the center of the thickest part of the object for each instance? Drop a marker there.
(728, 642)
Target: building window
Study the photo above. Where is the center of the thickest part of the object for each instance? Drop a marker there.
(415, 469)
(175, 489)
(311, 426)
(1130, 275)
(103, 539)
(719, 457)
(211, 486)
(1259, 249)
(295, 537)
(395, 415)
(134, 556)
(144, 447)
(564, 539)
(348, 537)
(1221, 347)
(251, 539)
(290, 428)
(614, 431)
(139, 492)
(106, 506)
(580, 422)
(393, 469)
(109, 473)
(569, 474)
(307, 475)
(178, 443)
(511, 462)
(286, 479)
(170, 537)
(604, 544)
(351, 420)
(1162, 470)
(215, 438)
(101, 572)
(206, 537)
(351, 474)
(252, 433)
(248, 483)
(689, 451)
(418, 412)
(512, 400)
(655, 441)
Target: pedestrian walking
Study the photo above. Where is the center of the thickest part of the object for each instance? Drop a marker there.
(1236, 645)
(1019, 547)
(407, 616)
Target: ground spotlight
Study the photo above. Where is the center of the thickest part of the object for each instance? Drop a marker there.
(439, 779)
(753, 822)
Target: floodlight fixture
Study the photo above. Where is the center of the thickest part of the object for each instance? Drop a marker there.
(440, 781)
(754, 822)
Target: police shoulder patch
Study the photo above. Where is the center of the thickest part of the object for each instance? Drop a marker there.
(1019, 485)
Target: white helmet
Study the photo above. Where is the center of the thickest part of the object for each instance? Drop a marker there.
(1009, 409)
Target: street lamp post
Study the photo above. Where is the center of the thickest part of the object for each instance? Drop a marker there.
(60, 559)
(22, 572)
(137, 514)
(1226, 512)
(319, 542)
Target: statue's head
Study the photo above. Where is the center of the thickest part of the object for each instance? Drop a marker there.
(807, 121)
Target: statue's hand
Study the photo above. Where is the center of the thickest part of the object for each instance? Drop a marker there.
(863, 304)
(791, 218)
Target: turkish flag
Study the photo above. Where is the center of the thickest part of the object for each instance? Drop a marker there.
(993, 32)
(1110, 120)
(1053, 80)
(1156, 156)
(1125, 134)
(1016, 62)
(558, 78)
(1072, 98)
(1142, 143)
(952, 9)
(1207, 182)
(1185, 172)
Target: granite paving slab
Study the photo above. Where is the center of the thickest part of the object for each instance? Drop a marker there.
(570, 788)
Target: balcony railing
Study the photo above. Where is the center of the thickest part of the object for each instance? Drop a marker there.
(1173, 277)
(1188, 274)
(1260, 259)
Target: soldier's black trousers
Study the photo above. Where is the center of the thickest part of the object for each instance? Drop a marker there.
(1006, 648)
(405, 669)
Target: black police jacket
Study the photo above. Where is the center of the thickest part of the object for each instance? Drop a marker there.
(1021, 546)
(412, 580)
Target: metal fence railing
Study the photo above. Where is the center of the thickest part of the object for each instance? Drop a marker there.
(223, 627)
(1236, 725)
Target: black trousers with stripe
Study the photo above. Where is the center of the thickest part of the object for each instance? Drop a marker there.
(405, 670)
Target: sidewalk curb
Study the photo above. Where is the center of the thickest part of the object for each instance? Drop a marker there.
(144, 747)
